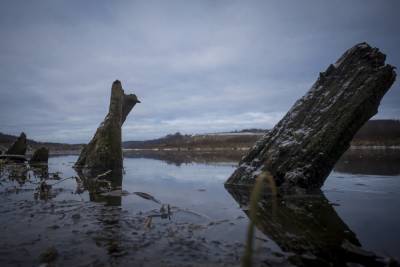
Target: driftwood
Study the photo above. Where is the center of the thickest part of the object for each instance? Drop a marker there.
(104, 151)
(301, 150)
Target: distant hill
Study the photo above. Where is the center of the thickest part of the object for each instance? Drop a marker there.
(6, 140)
(204, 141)
(373, 133)
(201, 141)
(378, 132)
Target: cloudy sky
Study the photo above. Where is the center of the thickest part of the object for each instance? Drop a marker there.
(197, 66)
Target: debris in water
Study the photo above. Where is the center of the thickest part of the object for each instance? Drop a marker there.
(116, 193)
(147, 222)
(147, 196)
(43, 191)
(102, 175)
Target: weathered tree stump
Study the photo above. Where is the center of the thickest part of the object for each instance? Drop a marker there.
(41, 155)
(104, 151)
(301, 150)
(18, 147)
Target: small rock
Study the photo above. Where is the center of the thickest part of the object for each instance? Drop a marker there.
(49, 255)
(113, 248)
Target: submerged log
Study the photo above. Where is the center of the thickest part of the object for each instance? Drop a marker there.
(301, 150)
(41, 155)
(104, 151)
(18, 147)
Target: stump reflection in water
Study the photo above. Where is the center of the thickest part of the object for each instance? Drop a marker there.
(98, 183)
(307, 226)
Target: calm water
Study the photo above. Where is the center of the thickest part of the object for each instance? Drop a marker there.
(206, 224)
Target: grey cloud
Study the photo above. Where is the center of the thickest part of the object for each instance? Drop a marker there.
(196, 66)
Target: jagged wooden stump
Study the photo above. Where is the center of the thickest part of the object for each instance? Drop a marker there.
(104, 151)
(41, 155)
(18, 147)
(301, 150)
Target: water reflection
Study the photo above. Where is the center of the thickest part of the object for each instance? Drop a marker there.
(109, 219)
(99, 184)
(370, 162)
(187, 156)
(354, 161)
(307, 226)
(17, 172)
(41, 171)
(204, 217)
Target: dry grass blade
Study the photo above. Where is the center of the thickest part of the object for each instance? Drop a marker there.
(254, 199)
(147, 222)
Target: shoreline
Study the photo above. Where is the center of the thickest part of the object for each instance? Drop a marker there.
(213, 149)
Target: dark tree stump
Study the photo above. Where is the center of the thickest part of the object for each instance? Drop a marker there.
(104, 151)
(41, 155)
(18, 147)
(301, 150)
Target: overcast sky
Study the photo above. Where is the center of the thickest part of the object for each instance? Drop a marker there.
(197, 66)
